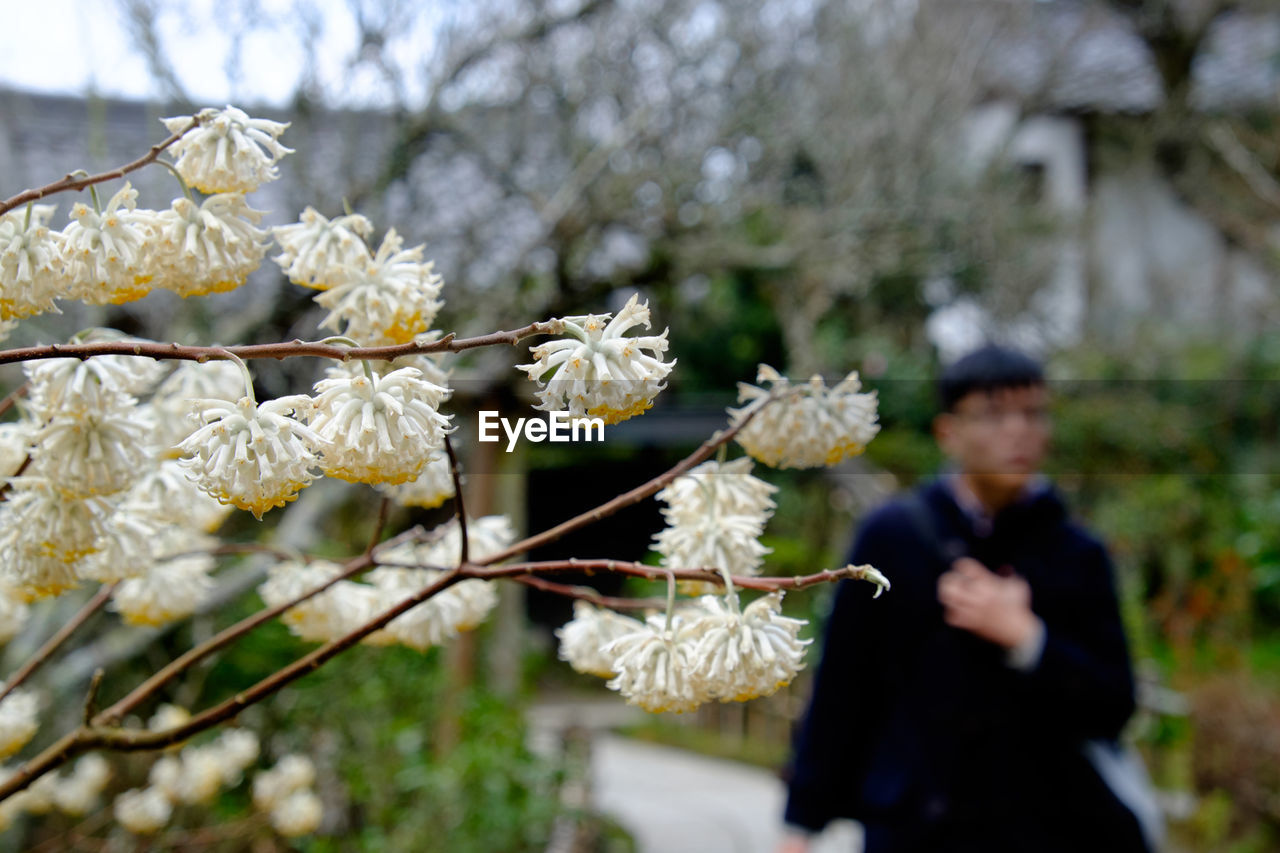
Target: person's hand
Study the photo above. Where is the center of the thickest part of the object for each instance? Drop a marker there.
(794, 843)
(994, 607)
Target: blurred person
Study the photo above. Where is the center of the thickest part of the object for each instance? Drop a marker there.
(952, 713)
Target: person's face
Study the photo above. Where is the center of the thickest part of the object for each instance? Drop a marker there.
(998, 438)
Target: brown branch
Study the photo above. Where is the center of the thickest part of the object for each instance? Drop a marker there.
(459, 509)
(634, 496)
(282, 350)
(73, 183)
(642, 570)
(133, 740)
(227, 636)
(51, 645)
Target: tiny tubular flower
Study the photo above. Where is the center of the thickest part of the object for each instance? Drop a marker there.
(378, 429)
(250, 456)
(143, 810)
(210, 248)
(584, 638)
(742, 655)
(598, 371)
(31, 265)
(18, 721)
(431, 488)
(809, 425)
(654, 669)
(389, 298)
(317, 252)
(228, 152)
(105, 252)
(43, 534)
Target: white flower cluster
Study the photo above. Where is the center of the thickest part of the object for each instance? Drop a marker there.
(712, 651)
(598, 371)
(378, 298)
(389, 298)
(14, 612)
(584, 638)
(18, 721)
(715, 515)
(430, 489)
(284, 793)
(810, 425)
(30, 263)
(252, 456)
(75, 794)
(228, 152)
(118, 252)
(362, 426)
(207, 248)
(97, 500)
(346, 605)
(176, 584)
(315, 251)
(378, 428)
(191, 776)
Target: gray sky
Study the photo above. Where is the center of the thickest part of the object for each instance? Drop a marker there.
(74, 46)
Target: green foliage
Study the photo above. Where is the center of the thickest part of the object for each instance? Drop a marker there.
(372, 720)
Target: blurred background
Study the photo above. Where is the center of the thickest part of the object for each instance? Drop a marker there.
(823, 186)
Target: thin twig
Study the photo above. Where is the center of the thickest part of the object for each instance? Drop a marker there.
(73, 183)
(643, 570)
(91, 698)
(281, 350)
(384, 509)
(51, 645)
(459, 509)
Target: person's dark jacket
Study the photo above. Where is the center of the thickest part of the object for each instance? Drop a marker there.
(923, 731)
